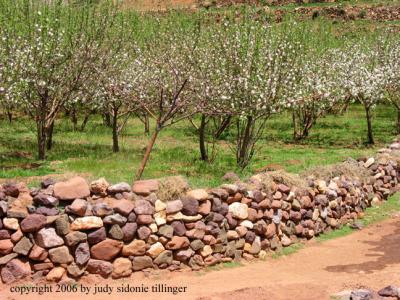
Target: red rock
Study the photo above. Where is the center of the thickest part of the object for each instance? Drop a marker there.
(145, 187)
(205, 208)
(178, 242)
(106, 250)
(38, 253)
(101, 267)
(124, 207)
(276, 204)
(71, 189)
(15, 269)
(144, 219)
(33, 223)
(6, 247)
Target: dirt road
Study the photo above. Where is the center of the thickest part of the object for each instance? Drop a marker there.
(369, 257)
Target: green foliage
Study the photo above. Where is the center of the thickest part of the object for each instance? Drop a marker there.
(90, 153)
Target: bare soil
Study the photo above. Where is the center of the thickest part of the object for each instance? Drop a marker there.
(366, 258)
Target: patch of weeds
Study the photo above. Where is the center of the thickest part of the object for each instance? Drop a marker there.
(287, 250)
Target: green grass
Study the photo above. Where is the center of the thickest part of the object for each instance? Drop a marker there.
(89, 153)
(287, 250)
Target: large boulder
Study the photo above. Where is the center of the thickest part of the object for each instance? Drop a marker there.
(72, 189)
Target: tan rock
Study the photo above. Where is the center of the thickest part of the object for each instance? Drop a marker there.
(122, 267)
(155, 250)
(55, 274)
(87, 223)
(135, 248)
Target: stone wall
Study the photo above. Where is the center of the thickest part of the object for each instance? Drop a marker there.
(73, 228)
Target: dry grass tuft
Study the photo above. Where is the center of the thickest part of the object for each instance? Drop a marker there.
(171, 188)
(269, 179)
(349, 168)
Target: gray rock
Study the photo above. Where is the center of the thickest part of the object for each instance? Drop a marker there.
(116, 232)
(141, 262)
(165, 257)
(62, 225)
(23, 246)
(75, 237)
(82, 254)
(115, 219)
(119, 188)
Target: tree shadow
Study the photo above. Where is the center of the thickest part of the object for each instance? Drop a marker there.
(385, 252)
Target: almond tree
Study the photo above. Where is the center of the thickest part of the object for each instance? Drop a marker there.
(363, 77)
(164, 89)
(314, 93)
(392, 68)
(250, 68)
(57, 46)
(116, 90)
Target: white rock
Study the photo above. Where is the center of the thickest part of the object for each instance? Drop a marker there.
(239, 210)
(11, 223)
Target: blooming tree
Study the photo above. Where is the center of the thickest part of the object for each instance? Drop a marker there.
(56, 46)
(314, 93)
(391, 58)
(249, 67)
(164, 89)
(362, 76)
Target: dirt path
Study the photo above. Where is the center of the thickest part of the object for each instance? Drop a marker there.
(369, 257)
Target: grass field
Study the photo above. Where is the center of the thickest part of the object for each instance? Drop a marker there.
(89, 153)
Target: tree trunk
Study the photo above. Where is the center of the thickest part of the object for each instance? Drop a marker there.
(107, 119)
(369, 125)
(295, 135)
(49, 137)
(74, 117)
(115, 130)
(398, 121)
(146, 156)
(202, 139)
(41, 139)
(146, 124)
(9, 116)
(85, 121)
(245, 143)
(224, 125)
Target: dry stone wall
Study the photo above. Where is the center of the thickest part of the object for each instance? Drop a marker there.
(72, 228)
